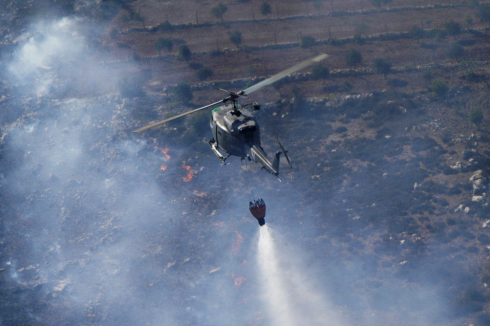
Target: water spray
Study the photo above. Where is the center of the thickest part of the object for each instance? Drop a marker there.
(289, 293)
(274, 291)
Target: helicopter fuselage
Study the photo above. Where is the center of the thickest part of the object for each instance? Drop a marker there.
(237, 133)
(235, 130)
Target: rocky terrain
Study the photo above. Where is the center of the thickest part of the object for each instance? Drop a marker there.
(385, 211)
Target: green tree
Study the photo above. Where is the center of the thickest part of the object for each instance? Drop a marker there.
(382, 66)
(476, 116)
(319, 71)
(204, 73)
(416, 32)
(376, 3)
(134, 16)
(346, 86)
(219, 11)
(455, 51)
(265, 9)
(307, 41)
(164, 43)
(353, 58)
(483, 13)
(453, 28)
(439, 88)
(236, 38)
(166, 27)
(138, 18)
(184, 53)
(387, 2)
(358, 38)
(183, 92)
(362, 28)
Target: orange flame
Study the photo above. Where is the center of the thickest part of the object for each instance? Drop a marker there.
(238, 242)
(190, 173)
(163, 167)
(164, 151)
(238, 280)
(200, 194)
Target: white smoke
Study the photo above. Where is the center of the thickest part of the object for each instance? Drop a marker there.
(291, 298)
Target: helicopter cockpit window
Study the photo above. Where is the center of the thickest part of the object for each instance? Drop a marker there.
(247, 127)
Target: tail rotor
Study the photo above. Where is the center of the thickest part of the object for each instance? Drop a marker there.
(285, 152)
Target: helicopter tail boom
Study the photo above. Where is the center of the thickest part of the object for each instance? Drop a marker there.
(259, 156)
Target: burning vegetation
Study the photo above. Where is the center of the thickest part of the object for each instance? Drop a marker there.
(387, 204)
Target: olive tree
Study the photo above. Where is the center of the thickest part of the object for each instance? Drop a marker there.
(183, 92)
(236, 38)
(265, 9)
(184, 53)
(219, 11)
(382, 66)
(353, 58)
(164, 43)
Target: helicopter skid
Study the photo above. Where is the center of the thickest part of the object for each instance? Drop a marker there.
(214, 147)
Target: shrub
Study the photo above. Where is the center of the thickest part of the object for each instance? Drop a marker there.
(319, 71)
(416, 32)
(483, 13)
(215, 53)
(184, 53)
(347, 86)
(476, 116)
(439, 88)
(236, 38)
(358, 38)
(182, 92)
(307, 41)
(395, 82)
(195, 65)
(340, 130)
(164, 43)
(453, 28)
(166, 27)
(382, 66)
(362, 28)
(455, 51)
(219, 11)
(204, 73)
(376, 3)
(353, 58)
(265, 9)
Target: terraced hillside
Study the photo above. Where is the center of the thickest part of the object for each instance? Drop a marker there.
(385, 213)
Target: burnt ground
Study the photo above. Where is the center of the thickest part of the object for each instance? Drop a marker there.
(387, 201)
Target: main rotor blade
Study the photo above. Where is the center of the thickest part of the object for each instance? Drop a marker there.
(156, 124)
(283, 74)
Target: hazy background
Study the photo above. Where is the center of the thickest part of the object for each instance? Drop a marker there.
(95, 231)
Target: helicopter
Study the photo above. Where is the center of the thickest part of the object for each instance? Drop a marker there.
(235, 130)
